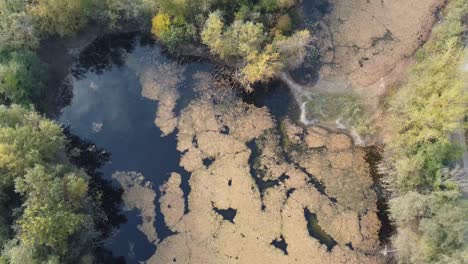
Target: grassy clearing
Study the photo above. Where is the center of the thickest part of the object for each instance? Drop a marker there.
(345, 107)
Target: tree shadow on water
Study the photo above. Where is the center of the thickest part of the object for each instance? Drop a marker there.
(106, 52)
(85, 155)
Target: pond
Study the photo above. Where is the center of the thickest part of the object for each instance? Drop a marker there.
(109, 110)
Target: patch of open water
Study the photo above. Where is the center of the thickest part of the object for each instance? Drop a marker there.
(108, 109)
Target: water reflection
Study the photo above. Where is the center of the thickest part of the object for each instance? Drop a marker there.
(84, 154)
(107, 109)
(104, 53)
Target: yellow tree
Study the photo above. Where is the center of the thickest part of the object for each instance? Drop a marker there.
(212, 34)
(161, 24)
(261, 66)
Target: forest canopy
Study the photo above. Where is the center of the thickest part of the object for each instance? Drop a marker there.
(428, 209)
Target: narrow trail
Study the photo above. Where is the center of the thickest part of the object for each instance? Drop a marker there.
(299, 92)
(334, 85)
(459, 138)
(462, 176)
(287, 79)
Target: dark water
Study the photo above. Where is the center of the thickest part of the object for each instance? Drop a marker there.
(316, 231)
(108, 110)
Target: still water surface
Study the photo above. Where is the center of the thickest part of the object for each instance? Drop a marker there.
(108, 109)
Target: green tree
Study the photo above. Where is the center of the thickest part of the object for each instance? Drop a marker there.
(16, 253)
(178, 35)
(26, 139)
(176, 7)
(429, 107)
(54, 199)
(239, 39)
(434, 228)
(269, 5)
(243, 38)
(428, 164)
(212, 34)
(22, 77)
(427, 210)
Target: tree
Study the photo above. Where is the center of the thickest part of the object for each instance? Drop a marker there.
(285, 4)
(16, 253)
(428, 108)
(136, 11)
(22, 77)
(243, 43)
(293, 49)
(26, 139)
(59, 16)
(161, 24)
(53, 207)
(212, 34)
(427, 209)
(244, 38)
(5, 230)
(240, 39)
(434, 228)
(55, 222)
(16, 26)
(178, 35)
(269, 5)
(261, 66)
(175, 7)
(428, 162)
(283, 24)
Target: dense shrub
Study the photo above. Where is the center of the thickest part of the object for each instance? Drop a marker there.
(59, 16)
(119, 12)
(16, 26)
(178, 35)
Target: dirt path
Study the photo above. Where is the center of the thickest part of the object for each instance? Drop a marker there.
(462, 175)
(459, 137)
